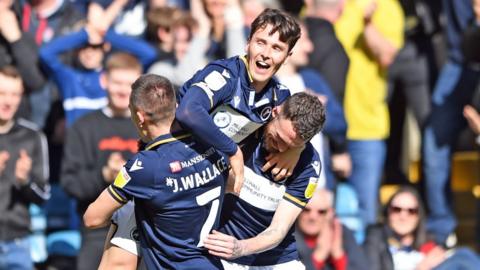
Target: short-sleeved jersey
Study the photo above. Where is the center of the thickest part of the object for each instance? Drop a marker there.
(252, 211)
(177, 185)
(237, 110)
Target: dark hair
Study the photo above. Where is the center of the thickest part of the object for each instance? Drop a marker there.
(154, 95)
(122, 60)
(10, 71)
(286, 25)
(306, 112)
(420, 233)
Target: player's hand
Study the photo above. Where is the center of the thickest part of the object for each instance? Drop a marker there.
(223, 246)
(283, 163)
(4, 157)
(236, 161)
(23, 167)
(113, 166)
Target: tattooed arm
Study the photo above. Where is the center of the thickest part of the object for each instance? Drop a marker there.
(228, 247)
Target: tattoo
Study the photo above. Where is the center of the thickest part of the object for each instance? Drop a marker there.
(238, 249)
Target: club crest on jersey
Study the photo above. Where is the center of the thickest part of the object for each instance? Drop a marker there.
(175, 167)
(266, 113)
(312, 185)
(222, 119)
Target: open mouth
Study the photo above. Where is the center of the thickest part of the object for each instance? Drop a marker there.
(262, 65)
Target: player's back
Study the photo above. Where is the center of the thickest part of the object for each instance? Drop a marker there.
(184, 206)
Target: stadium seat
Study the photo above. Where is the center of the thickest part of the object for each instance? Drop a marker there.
(348, 211)
(64, 243)
(38, 224)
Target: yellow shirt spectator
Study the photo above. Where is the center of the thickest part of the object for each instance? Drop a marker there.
(366, 88)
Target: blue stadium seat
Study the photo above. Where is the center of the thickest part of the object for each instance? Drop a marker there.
(38, 224)
(348, 210)
(64, 243)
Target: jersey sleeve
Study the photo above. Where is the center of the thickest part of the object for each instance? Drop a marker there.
(207, 89)
(303, 182)
(136, 179)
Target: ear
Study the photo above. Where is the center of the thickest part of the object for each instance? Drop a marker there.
(276, 111)
(103, 80)
(140, 117)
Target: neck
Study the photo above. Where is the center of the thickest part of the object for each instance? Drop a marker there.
(154, 131)
(5, 126)
(406, 240)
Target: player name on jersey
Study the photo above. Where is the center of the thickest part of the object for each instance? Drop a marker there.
(197, 179)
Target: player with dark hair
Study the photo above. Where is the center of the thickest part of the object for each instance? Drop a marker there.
(176, 182)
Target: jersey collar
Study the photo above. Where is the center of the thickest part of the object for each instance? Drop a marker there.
(167, 138)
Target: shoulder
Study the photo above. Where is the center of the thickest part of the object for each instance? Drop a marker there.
(30, 129)
(308, 157)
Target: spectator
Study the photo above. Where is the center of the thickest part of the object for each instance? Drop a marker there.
(401, 242)
(371, 34)
(18, 49)
(23, 173)
(190, 43)
(160, 24)
(227, 37)
(80, 88)
(453, 90)
(45, 20)
(409, 82)
(96, 147)
(322, 241)
(327, 50)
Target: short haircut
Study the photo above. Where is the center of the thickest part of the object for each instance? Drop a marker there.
(122, 60)
(306, 112)
(155, 96)
(286, 25)
(10, 71)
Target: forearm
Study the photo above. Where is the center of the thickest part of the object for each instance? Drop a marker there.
(266, 240)
(145, 53)
(382, 49)
(25, 54)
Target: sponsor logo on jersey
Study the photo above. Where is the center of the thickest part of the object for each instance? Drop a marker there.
(198, 158)
(266, 113)
(261, 192)
(215, 81)
(122, 178)
(137, 165)
(175, 167)
(222, 119)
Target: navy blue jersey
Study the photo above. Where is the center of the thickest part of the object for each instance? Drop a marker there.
(252, 212)
(177, 185)
(220, 98)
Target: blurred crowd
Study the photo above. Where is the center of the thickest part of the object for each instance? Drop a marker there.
(66, 67)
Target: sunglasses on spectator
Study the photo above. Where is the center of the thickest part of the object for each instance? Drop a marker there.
(397, 210)
(95, 46)
(321, 212)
